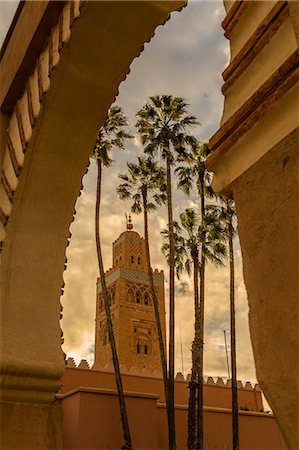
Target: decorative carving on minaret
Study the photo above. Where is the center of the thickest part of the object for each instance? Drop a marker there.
(131, 306)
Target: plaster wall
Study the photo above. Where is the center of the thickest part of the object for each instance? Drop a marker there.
(271, 188)
(257, 431)
(99, 423)
(216, 393)
(247, 23)
(99, 427)
(255, 161)
(24, 426)
(279, 121)
(265, 63)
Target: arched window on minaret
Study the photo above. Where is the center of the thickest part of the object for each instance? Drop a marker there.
(105, 339)
(104, 334)
(102, 306)
(132, 259)
(138, 296)
(145, 349)
(139, 260)
(146, 299)
(138, 347)
(112, 294)
(130, 296)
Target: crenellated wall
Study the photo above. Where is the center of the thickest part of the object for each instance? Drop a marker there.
(217, 390)
(88, 394)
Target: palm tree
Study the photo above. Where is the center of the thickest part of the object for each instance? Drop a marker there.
(111, 135)
(227, 214)
(143, 179)
(194, 170)
(188, 239)
(186, 248)
(163, 124)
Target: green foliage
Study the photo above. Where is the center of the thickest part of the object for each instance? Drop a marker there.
(225, 211)
(143, 178)
(194, 172)
(111, 134)
(189, 236)
(163, 125)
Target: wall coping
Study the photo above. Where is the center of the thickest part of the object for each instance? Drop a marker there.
(180, 378)
(221, 410)
(93, 390)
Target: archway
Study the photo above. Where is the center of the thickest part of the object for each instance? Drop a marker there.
(60, 97)
(261, 94)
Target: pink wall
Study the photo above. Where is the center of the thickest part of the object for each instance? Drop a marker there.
(218, 395)
(99, 427)
(92, 419)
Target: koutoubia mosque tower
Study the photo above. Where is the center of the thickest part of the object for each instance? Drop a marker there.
(132, 308)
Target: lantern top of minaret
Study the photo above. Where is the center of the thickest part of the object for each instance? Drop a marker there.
(129, 223)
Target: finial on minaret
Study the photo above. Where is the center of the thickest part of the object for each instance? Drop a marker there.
(129, 223)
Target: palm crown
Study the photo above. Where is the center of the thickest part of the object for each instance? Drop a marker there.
(189, 236)
(226, 213)
(142, 178)
(163, 124)
(193, 169)
(111, 134)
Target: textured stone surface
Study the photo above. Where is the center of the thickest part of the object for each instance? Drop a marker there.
(261, 88)
(25, 426)
(267, 206)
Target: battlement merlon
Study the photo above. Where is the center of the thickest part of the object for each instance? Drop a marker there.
(209, 381)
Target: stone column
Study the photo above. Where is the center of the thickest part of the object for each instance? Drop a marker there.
(255, 160)
(267, 201)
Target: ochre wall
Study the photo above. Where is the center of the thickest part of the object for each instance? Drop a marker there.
(91, 412)
(215, 394)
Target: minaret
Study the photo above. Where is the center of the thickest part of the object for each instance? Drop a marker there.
(132, 307)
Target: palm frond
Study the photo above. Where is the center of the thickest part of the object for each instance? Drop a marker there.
(111, 135)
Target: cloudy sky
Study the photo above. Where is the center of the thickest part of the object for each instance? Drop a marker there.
(185, 58)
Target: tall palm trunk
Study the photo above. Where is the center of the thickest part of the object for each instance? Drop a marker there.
(235, 417)
(200, 430)
(171, 414)
(195, 360)
(155, 301)
(106, 298)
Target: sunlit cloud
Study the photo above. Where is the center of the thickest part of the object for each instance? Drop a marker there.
(7, 11)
